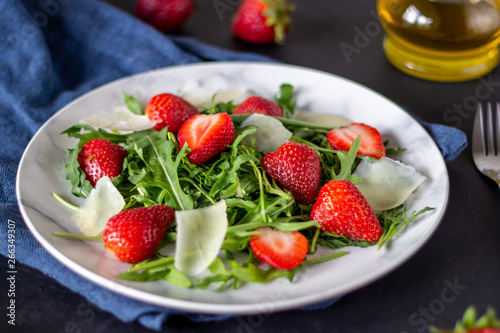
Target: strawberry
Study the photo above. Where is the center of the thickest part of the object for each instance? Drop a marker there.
(169, 110)
(164, 15)
(134, 235)
(371, 142)
(262, 21)
(342, 209)
(207, 135)
(279, 249)
(100, 157)
(297, 168)
(487, 323)
(255, 104)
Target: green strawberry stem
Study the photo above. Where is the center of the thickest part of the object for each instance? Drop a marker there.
(64, 202)
(83, 237)
(277, 16)
(469, 322)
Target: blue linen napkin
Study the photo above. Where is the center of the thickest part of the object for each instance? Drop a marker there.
(53, 52)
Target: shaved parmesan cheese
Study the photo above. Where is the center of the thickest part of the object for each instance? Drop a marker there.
(323, 119)
(270, 135)
(200, 97)
(103, 202)
(386, 183)
(122, 119)
(200, 233)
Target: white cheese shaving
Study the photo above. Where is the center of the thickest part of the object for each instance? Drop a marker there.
(121, 119)
(270, 135)
(202, 97)
(200, 233)
(103, 202)
(322, 119)
(386, 183)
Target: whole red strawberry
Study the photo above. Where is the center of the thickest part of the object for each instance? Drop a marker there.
(256, 104)
(371, 141)
(164, 15)
(134, 235)
(169, 110)
(297, 168)
(100, 157)
(262, 21)
(207, 135)
(279, 249)
(342, 209)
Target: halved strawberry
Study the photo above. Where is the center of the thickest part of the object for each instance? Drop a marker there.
(169, 110)
(206, 135)
(297, 168)
(100, 157)
(371, 141)
(256, 104)
(342, 209)
(134, 235)
(279, 249)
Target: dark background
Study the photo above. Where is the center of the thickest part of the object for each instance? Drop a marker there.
(459, 266)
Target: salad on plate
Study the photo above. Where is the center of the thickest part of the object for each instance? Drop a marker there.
(232, 192)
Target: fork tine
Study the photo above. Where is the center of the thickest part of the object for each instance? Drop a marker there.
(498, 128)
(478, 142)
(489, 131)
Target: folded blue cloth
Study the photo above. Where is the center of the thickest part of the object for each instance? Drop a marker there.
(54, 51)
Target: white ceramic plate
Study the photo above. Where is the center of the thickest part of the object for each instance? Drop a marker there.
(41, 173)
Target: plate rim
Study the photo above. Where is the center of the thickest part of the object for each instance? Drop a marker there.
(220, 308)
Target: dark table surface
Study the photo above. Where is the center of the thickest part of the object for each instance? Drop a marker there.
(460, 264)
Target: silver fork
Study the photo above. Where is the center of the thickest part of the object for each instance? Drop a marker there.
(486, 141)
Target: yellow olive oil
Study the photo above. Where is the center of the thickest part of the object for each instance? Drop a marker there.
(441, 40)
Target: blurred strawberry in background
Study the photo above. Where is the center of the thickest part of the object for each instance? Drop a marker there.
(262, 21)
(164, 15)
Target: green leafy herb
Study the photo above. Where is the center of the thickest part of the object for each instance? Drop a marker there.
(286, 100)
(394, 220)
(133, 104)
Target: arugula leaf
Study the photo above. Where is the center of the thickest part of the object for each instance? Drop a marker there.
(286, 100)
(133, 104)
(347, 160)
(337, 241)
(157, 152)
(324, 258)
(394, 220)
(252, 273)
(291, 124)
